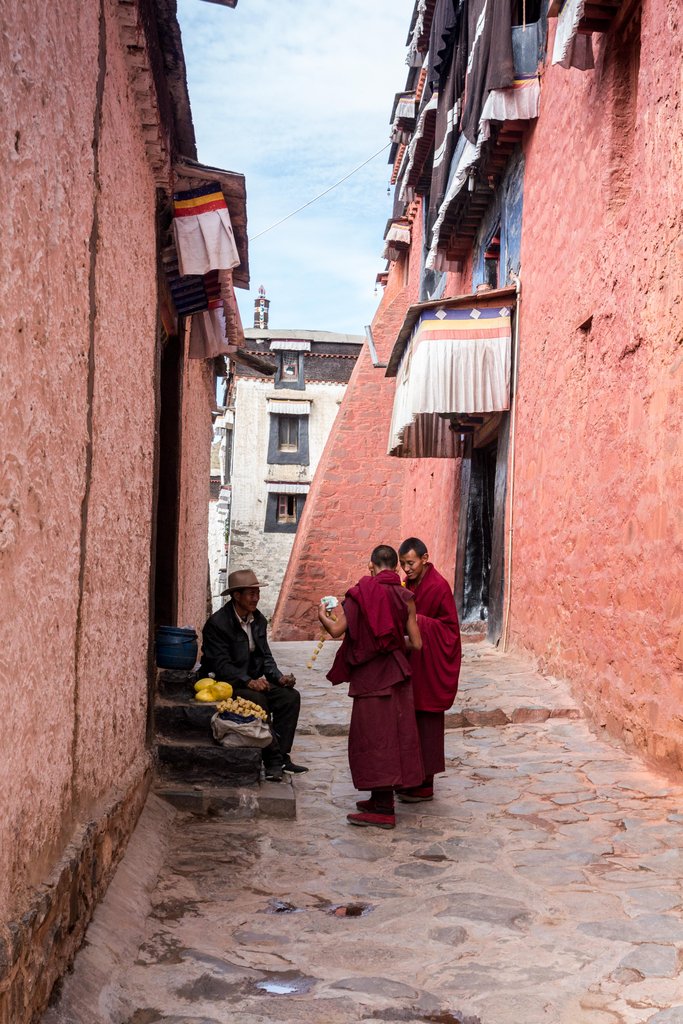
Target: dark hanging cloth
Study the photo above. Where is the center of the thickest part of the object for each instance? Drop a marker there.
(441, 40)
(452, 83)
(489, 62)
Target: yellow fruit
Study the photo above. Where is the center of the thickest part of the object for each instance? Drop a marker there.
(222, 690)
(206, 695)
(201, 684)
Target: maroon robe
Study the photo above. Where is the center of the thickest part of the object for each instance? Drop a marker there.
(436, 668)
(384, 746)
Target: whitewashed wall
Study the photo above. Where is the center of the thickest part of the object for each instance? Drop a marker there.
(268, 553)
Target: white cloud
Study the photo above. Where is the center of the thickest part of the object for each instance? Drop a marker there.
(295, 95)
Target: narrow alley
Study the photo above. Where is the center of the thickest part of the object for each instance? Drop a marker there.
(542, 885)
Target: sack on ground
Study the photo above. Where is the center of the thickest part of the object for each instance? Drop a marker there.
(234, 731)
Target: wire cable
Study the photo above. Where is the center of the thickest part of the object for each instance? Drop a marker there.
(310, 202)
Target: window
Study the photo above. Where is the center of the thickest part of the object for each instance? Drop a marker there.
(526, 12)
(288, 440)
(492, 260)
(286, 508)
(283, 511)
(290, 371)
(288, 433)
(290, 367)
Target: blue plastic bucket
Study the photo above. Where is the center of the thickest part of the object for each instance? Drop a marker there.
(176, 647)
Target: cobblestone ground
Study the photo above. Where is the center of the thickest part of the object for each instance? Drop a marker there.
(542, 885)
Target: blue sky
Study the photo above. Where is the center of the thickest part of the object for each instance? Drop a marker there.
(294, 94)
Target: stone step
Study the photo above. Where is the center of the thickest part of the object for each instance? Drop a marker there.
(183, 718)
(205, 762)
(173, 684)
(483, 717)
(262, 800)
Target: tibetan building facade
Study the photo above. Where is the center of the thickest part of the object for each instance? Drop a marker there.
(108, 382)
(531, 323)
(280, 412)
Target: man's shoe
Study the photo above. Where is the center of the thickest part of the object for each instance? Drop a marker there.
(415, 794)
(274, 773)
(293, 769)
(372, 818)
(366, 805)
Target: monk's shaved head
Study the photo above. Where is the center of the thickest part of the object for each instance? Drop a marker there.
(413, 544)
(384, 557)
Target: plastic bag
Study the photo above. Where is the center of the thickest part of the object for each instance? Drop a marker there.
(233, 731)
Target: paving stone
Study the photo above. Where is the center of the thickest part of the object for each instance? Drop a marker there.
(643, 928)
(377, 987)
(357, 850)
(653, 960)
(566, 816)
(527, 807)
(492, 794)
(674, 1015)
(489, 908)
(451, 936)
(577, 797)
(419, 870)
(653, 899)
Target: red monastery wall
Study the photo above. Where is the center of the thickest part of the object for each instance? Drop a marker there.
(360, 496)
(598, 532)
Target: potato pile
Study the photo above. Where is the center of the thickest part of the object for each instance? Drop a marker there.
(245, 708)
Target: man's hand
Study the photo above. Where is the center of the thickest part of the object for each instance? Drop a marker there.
(288, 680)
(258, 684)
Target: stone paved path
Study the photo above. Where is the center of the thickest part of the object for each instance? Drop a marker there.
(542, 886)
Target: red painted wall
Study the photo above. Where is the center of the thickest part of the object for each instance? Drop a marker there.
(360, 496)
(598, 555)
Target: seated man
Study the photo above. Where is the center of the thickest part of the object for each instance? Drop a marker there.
(235, 649)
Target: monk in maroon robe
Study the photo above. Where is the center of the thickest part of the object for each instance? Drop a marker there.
(436, 667)
(384, 745)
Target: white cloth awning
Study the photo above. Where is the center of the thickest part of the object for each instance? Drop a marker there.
(284, 488)
(457, 363)
(429, 109)
(414, 57)
(203, 231)
(572, 49)
(284, 408)
(290, 346)
(403, 117)
(397, 240)
(208, 334)
(521, 102)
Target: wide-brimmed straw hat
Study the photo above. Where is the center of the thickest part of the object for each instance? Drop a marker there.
(240, 579)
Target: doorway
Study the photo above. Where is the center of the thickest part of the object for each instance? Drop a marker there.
(479, 569)
(168, 483)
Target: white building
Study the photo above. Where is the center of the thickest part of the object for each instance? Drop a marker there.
(280, 427)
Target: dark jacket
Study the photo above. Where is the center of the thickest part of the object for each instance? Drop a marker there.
(225, 649)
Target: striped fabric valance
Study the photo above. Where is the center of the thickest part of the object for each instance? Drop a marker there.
(286, 488)
(290, 346)
(456, 363)
(284, 408)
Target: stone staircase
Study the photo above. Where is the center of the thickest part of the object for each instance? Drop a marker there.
(195, 773)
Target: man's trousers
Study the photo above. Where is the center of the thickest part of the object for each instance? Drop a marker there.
(282, 704)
